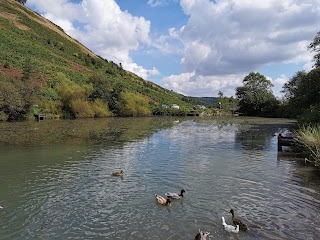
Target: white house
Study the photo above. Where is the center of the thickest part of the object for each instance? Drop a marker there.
(175, 106)
(199, 107)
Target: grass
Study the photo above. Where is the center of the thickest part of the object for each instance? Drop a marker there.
(308, 137)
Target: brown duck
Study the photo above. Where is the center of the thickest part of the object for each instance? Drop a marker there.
(238, 221)
(201, 235)
(118, 174)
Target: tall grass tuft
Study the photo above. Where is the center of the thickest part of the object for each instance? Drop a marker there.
(308, 137)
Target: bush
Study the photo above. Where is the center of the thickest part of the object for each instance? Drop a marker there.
(81, 109)
(310, 115)
(6, 65)
(133, 105)
(100, 109)
(11, 101)
(3, 116)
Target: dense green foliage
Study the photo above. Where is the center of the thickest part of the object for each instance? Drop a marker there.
(47, 71)
(256, 97)
(207, 101)
(302, 94)
(315, 46)
(227, 104)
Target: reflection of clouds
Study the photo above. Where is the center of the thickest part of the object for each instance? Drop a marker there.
(199, 156)
(204, 136)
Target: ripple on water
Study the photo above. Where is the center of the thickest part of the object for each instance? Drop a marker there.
(219, 166)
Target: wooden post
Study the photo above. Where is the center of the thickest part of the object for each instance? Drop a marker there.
(279, 143)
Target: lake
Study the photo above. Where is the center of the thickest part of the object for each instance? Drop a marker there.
(56, 183)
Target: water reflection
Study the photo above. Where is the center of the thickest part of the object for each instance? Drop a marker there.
(60, 190)
(85, 131)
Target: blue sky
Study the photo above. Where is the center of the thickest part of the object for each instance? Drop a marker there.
(194, 47)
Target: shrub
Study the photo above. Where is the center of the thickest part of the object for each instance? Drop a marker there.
(133, 105)
(81, 109)
(310, 115)
(11, 101)
(6, 65)
(3, 116)
(100, 109)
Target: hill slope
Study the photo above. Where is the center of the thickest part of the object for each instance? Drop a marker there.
(42, 69)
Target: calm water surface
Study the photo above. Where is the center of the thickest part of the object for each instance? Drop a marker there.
(56, 183)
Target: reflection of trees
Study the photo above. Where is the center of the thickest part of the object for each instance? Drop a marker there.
(84, 131)
(258, 136)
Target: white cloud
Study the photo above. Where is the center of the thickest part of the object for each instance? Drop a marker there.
(144, 73)
(156, 3)
(227, 39)
(278, 84)
(101, 26)
(191, 84)
(238, 36)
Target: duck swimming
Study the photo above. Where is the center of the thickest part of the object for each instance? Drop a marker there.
(175, 195)
(163, 201)
(238, 221)
(118, 174)
(201, 235)
(229, 228)
(1, 207)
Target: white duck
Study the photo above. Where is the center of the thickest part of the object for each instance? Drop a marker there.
(175, 195)
(163, 201)
(229, 228)
(201, 235)
(1, 207)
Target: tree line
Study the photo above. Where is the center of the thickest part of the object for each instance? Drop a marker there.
(301, 93)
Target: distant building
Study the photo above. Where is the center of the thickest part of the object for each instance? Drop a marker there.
(199, 107)
(175, 106)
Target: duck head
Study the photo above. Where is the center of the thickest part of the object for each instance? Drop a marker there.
(182, 192)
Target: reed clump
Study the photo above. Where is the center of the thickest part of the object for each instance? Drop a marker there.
(308, 137)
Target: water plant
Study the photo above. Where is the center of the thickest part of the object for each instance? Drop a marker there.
(308, 137)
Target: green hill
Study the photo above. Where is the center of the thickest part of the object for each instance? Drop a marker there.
(42, 69)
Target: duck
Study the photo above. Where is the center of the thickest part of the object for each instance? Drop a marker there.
(1, 207)
(229, 228)
(238, 221)
(201, 235)
(163, 201)
(118, 174)
(175, 195)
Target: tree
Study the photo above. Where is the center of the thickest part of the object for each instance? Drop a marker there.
(315, 46)
(22, 1)
(255, 96)
(302, 94)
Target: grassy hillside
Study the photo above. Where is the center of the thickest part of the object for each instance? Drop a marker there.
(42, 69)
